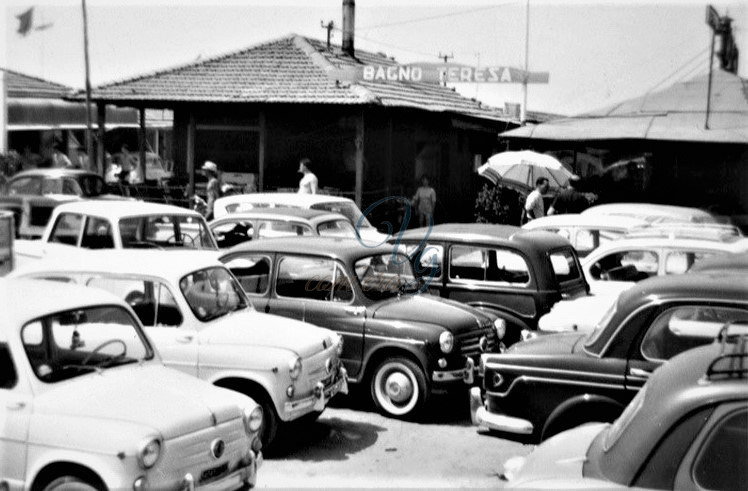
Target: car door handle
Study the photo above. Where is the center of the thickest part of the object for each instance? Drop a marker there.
(640, 372)
(184, 338)
(354, 311)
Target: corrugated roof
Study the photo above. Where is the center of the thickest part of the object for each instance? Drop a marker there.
(26, 86)
(677, 113)
(293, 69)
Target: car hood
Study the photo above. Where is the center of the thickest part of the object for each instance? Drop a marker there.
(165, 400)
(560, 458)
(425, 308)
(553, 344)
(254, 328)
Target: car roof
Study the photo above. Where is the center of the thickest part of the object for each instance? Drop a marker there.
(589, 221)
(696, 285)
(665, 242)
(676, 389)
(54, 172)
(119, 208)
(650, 211)
(282, 213)
(486, 232)
(725, 263)
(172, 264)
(17, 309)
(333, 247)
(281, 199)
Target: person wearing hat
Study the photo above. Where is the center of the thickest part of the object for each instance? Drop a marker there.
(213, 189)
(308, 183)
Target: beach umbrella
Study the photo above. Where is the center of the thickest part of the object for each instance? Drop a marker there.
(522, 168)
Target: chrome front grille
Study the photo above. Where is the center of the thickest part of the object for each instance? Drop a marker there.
(470, 342)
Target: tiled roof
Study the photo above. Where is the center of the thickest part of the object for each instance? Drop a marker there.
(26, 86)
(293, 69)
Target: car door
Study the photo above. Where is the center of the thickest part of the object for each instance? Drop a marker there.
(318, 290)
(254, 272)
(428, 264)
(163, 319)
(15, 411)
(674, 328)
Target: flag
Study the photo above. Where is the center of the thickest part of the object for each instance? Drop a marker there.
(25, 20)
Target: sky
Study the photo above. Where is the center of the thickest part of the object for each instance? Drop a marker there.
(597, 52)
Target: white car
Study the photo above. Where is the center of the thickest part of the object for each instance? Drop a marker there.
(653, 213)
(203, 324)
(86, 403)
(586, 232)
(336, 204)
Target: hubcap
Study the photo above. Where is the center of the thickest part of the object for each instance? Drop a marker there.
(399, 388)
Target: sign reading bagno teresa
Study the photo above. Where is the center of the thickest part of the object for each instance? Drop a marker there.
(431, 73)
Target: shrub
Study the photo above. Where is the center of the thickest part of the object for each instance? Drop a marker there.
(497, 204)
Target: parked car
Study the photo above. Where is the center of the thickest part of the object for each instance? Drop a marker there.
(86, 403)
(626, 261)
(32, 195)
(196, 313)
(499, 268)
(654, 213)
(726, 263)
(87, 225)
(239, 227)
(586, 232)
(686, 429)
(334, 204)
(403, 346)
(551, 383)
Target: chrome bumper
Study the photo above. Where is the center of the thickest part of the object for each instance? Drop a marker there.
(235, 480)
(321, 395)
(466, 374)
(499, 422)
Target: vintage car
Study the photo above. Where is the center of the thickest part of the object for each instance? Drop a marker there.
(402, 345)
(586, 232)
(89, 225)
(617, 265)
(203, 324)
(334, 204)
(653, 213)
(86, 403)
(33, 194)
(726, 263)
(551, 383)
(239, 227)
(686, 429)
(501, 268)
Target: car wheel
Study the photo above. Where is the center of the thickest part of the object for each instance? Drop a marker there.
(398, 387)
(269, 426)
(71, 483)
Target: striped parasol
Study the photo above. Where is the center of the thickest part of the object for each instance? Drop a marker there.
(522, 168)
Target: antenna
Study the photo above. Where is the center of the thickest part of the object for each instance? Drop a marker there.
(329, 26)
(445, 57)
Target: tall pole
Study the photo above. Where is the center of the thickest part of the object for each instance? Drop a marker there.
(89, 138)
(523, 109)
(709, 84)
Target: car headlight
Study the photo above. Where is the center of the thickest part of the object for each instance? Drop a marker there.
(446, 341)
(252, 420)
(500, 326)
(294, 368)
(339, 349)
(149, 452)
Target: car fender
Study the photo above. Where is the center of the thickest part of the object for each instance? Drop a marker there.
(510, 317)
(387, 348)
(273, 380)
(578, 402)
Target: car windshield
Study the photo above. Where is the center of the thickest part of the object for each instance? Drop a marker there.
(69, 344)
(386, 275)
(92, 186)
(348, 210)
(212, 293)
(162, 231)
(337, 228)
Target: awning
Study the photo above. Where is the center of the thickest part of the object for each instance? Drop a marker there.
(52, 114)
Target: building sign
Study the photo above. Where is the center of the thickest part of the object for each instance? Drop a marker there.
(430, 73)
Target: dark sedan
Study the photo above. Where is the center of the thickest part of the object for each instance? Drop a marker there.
(551, 383)
(403, 345)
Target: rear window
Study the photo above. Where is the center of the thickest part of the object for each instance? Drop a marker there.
(564, 265)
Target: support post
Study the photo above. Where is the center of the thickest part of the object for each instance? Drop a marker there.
(359, 159)
(89, 132)
(262, 154)
(191, 156)
(709, 83)
(523, 109)
(100, 143)
(141, 143)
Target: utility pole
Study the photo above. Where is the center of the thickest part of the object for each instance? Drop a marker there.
(523, 109)
(329, 26)
(445, 57)
(89, 134)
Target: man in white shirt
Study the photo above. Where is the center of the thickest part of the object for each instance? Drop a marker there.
(534, 206)
(308, 182)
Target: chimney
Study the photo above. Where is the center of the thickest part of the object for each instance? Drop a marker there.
(349, 22)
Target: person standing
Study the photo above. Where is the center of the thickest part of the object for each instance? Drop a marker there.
(424, 201)
(534, 206)
(59, 159)
(213, 189)
(569, 200)
(308, 183)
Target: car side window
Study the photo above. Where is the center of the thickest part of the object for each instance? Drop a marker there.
(312, 279)
(67, 229)
(97, 234)
(8, 376)
(234, 232)
(26, 185)
(71, 187)
(429, 260)
(721, 463)
(252, 271)
(151, 301)
(488, 264)
(632, 265)
(681, 328)
(678, 262)
(275, 228)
